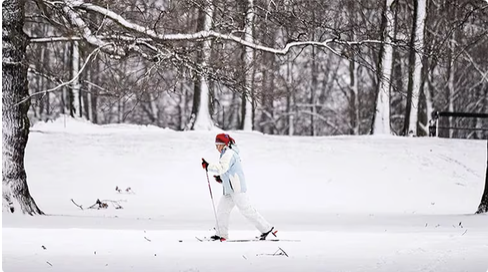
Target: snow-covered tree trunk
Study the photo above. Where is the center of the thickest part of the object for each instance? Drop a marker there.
(203, 121)
(76, 86)
(415, 68)
(381, 123)
(417, 76)
(483, 207)
(15, 124)
(249, 66)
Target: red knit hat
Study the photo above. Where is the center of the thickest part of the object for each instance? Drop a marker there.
(224, 138)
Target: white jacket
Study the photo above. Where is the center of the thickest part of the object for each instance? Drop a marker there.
(230, 171)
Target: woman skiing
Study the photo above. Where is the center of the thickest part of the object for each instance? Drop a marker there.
(228, 171)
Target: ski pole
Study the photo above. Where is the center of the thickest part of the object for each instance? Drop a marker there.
(213, 204)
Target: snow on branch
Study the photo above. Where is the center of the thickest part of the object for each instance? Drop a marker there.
(76, 20)
(100, 37)
(56, 39)
(203, 34)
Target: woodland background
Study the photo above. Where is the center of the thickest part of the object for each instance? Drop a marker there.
(311, 90)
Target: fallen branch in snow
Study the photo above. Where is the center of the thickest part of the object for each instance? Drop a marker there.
(98, 205)
(128, 190)
(101, 204)
(79, 206)
(114, 203)
(279, 252)
(49, 263)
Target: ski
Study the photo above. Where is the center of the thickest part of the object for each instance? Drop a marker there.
(245, 240)
(257, 240)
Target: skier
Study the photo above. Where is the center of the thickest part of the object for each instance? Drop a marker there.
(230, 174)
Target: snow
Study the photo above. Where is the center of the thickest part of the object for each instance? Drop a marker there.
(356, 203)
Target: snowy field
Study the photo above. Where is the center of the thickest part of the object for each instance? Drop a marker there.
(355, 203)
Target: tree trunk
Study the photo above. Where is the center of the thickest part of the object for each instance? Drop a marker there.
(87, 100)
(313, 84)
(451, 69)
(248, 68)
(415, 69)
(313, 91)
(200, 113)
(76, 87)
(94, 94)
(290, 101)
(268, 89)
(483, 207)
(417, 75)
(411, 69)
(354, 96)
(15, 125)
(353, 79)
(381, 118)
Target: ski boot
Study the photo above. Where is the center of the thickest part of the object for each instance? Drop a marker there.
(265, 234)
(217, 238)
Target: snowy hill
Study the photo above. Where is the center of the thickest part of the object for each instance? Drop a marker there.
(363, 203)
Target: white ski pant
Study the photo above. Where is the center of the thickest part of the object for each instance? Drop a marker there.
(241, 200)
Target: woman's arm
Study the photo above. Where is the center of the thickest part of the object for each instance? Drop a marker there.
(223, 165)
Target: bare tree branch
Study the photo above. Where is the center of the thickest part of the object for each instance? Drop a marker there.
(203, 34)
(76, 20)
(62, 84)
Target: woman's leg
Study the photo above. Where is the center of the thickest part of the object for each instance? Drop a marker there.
(242, 202)
(226, 204)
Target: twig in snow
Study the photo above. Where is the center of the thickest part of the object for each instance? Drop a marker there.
(79, 206)
(279, 252)
(128, 190)
(114, 203)
(49, 263)
(98, 205)
(147, 239)
(283, 251)
(464, 232)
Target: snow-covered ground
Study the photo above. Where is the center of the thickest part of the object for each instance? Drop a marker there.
(355, 203)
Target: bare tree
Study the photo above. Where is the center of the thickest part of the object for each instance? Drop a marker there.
(15, 125)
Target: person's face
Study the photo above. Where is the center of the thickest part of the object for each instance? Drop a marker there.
(219, 147)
